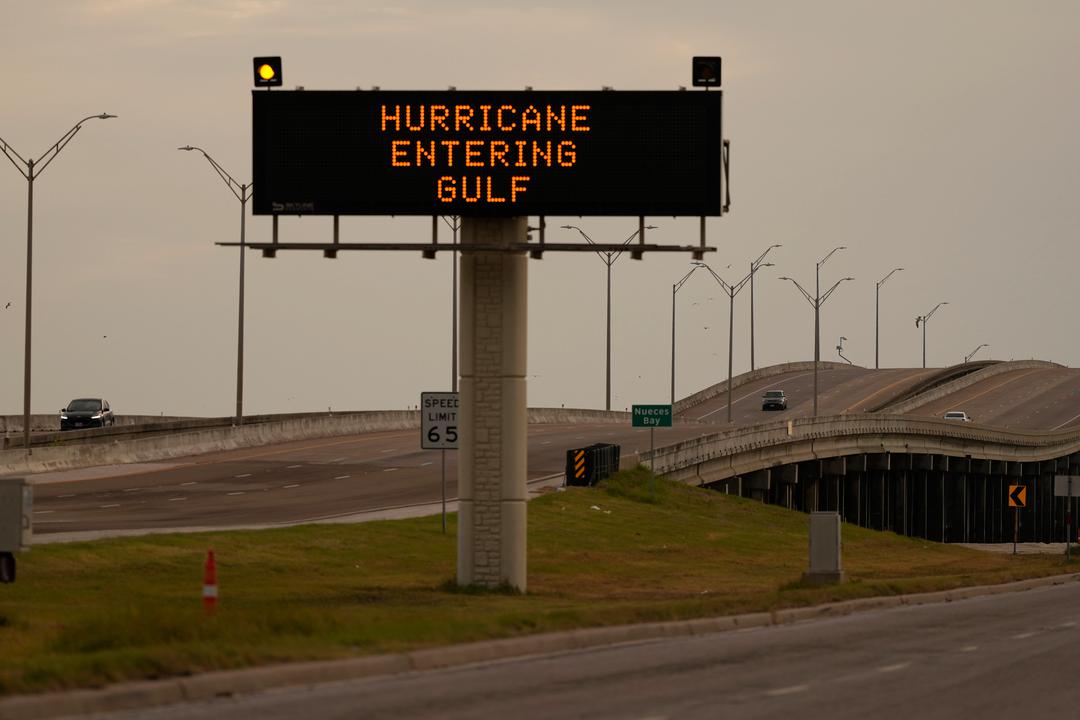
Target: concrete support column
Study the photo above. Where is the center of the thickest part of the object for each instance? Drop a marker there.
(492, 456)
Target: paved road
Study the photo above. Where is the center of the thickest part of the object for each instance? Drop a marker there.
(997, 657)
(293, 482)
(1028, 399)
(841, 390)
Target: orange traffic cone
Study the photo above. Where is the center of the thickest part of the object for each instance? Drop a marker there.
(209, 589)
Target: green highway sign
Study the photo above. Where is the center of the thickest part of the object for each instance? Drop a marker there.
(651, 416)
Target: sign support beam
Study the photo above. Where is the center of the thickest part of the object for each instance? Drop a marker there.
(492, 460)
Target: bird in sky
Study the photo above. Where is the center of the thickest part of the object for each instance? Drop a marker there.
(7, 306)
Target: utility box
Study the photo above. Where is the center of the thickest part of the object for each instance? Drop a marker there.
(825, 566)
(16, 509)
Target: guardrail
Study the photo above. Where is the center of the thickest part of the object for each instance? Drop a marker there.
(742, 451)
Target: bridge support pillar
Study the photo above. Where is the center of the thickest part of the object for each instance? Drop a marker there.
(492, 456)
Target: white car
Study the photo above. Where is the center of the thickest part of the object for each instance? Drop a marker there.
(958, 415)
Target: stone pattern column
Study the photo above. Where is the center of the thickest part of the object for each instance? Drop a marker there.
(493, 421)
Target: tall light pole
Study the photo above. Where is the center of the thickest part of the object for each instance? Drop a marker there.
(972, 353)
(674, 289)
(753, 269)
(243, 194)
(609, 257)
(817, 300)
(30, 170)
(877, 303)
(922, 319)
(732, 291)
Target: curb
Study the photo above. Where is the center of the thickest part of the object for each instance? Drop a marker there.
(224, 683)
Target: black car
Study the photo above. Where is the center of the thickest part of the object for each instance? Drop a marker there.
(86, 413)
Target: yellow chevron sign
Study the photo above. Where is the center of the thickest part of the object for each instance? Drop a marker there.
(1018, 496)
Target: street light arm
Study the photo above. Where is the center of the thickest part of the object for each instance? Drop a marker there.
(830, 291)
(627, 242)
(761, 257)
(882, 280)
(808, 296)
(677, 286)
(606, 257)
(826, 258)
(49, 155)
(723, 284)
(8, 152)
(931, 313)
(456, 225)
(234, 187)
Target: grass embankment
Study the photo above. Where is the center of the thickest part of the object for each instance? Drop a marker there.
(90, 613)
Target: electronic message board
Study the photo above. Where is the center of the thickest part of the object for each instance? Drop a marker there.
(487, 153)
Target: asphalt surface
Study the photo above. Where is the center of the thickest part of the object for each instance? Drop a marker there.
(1000, 656)
(295, 482)
(1030, 399)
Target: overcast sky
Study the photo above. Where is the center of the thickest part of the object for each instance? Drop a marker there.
(937, 136)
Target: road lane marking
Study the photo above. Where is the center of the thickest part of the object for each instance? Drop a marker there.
(236, 493)
(185, 484)
(110, 506)
(176, 499)
(1065, 423)
(390, 450)
(389, 469)
(751, 394)
(242, 476)
(42, 512)
(545, 442)
(337, 459)
(67, 496)
(1022, 636)
(286, 487)
(293, 467)
(424, 464)
(1067, 625)
(790, 690)
(893, 668)
(132, 489)
(342, 477)
(969, 648)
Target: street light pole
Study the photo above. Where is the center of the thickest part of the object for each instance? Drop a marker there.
(753, 269)
(608, 257)
(731, 291)
(30, 170)
(674, 289)
(243, 194)
(922, 319)
(877, 304)
(817, 300)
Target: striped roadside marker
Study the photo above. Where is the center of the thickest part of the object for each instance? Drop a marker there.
(579, 464)
(209, 588)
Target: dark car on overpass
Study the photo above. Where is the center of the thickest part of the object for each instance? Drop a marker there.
(774, 400)
(86, 413)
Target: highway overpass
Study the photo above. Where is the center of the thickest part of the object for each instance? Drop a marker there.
(909, 472)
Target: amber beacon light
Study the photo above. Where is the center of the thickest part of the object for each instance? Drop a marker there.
(706, 71)
(267, 71)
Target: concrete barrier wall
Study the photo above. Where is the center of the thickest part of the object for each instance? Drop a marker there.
(49, 422)
(724, 455)
(712, 391)
(186, 441)
(960, 383)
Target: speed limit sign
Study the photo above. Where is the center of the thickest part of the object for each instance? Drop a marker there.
(439, 420)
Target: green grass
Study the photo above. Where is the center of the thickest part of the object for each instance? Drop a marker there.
(86, 614)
